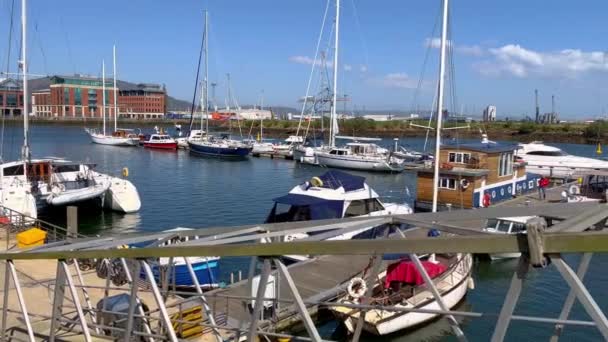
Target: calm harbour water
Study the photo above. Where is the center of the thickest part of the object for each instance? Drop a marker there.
(178, 189)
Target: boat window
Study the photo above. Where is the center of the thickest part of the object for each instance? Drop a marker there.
(505, 164)
(547, 153)
(518, 227)
(356, 208)
(155, 138)
(491, 224)
(503, 226)
(333, 152)
(375, 205)
(16, 170)
(66, 168)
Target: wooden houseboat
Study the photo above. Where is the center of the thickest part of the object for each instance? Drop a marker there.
(475, 175)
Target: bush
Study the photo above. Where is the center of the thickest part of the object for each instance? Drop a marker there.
(596, 129)
(526, 128)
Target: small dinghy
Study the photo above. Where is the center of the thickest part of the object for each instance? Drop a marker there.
(61, 196)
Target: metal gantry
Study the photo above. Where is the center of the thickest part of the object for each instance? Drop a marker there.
(580, 230)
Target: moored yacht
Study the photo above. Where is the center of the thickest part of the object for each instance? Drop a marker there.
(160, 141)
(360, 155)
(552, 161)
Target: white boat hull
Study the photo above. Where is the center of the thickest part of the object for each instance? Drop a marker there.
(358, 163)
(21, 200)
(305, 155)
(400, 321)
(113, 141)
(122, 196)
(499, 256)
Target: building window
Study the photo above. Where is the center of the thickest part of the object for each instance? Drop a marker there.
(66, 96)
(447, 183)
(78, 97)
(11, 100)
(459, 157)
(505, 164)
(1, 100)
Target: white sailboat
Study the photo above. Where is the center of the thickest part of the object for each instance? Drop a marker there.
(450, 273)
(120, 137)
(28, 185)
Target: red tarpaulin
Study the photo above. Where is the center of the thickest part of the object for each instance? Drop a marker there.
(406, 272)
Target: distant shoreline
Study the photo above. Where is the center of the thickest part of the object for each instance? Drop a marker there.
(511, 131)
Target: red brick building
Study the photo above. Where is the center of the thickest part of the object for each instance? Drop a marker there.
(11, 97)
(143, 101)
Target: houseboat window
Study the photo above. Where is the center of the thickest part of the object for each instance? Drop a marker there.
(16, 170)
(447, 183)
(505, 164)
(459, 157)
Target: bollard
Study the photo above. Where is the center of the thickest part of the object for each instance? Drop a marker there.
(240, 275)
(535, 228)
(72, 213)
(231, 278)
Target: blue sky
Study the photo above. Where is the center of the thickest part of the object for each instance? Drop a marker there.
(503, 50)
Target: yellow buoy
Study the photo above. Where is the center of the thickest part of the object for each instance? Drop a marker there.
(125, 172)
(258, 137)
(599, 149)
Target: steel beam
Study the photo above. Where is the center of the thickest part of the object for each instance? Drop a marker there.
(76, 299)
(159, 301)
(299, 303)
(580, 273)
(582, 294)
(87, 299)
(5, 302)
(202, 297)
(511, 300)
(431, 286)
(140, 308)
(26, 317)
(58, 297)
(133, 302)
(259, 302)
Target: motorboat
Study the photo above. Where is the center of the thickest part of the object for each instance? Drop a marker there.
(554, 162)
(360, 156)
(335, 194)
(402, 286)
(160, 141)
(506, 225)
(195, 134)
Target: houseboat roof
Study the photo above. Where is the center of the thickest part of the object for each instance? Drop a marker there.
(483, 147)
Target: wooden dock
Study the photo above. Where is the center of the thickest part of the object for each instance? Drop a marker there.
(272, 156)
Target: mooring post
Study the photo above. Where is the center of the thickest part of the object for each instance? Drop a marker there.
(72, 222)
(535, 228)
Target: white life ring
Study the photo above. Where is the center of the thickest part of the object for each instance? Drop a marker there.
(357, 281)
(574, 190)
(464, 183)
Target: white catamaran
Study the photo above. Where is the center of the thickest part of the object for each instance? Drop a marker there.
(120, 137)
(31, 184)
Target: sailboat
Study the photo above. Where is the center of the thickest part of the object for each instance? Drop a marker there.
(120, 137)
(401, 284)
(209, 145)
(28, 185)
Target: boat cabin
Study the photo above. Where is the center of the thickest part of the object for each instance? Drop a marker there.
(474, 175)
(333, 195)
(357, 148)
(125, 133)
(507, 225)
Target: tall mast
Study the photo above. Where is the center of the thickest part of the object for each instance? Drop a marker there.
(115, 90)
(103, 95)
(206, 90)
(25, 151)
(332, 138)
(444, 30)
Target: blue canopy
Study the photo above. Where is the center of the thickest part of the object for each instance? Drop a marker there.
(319, 208)
(335, 179)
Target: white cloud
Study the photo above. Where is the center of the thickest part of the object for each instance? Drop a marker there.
(515, 60)
(307, 61)
(348, 67)
(363, 68)
(398, 80)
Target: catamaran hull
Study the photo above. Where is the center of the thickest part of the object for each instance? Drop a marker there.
(343, 162)
(228, 152)
(67, 197)
(122, 196)
(114, 141)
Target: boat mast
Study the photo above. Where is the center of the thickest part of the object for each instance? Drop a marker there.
(25, 150)
(206, 90)
(440, 103)
(332, 138)
(103, 95)
(115, 90)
